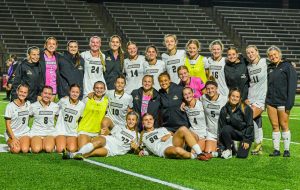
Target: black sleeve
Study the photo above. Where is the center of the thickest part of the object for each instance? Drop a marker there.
(17, 82)
(222, 119)
(249, 131)
(292, 87)
(64, 71)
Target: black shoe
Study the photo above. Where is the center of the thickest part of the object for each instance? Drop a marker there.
(275, 153)
(286, 153)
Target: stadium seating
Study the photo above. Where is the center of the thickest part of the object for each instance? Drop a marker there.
(264, 27)
(25, 23)
(148, 23)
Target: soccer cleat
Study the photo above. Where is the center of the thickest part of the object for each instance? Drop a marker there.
(275, 153)
(227, 154)
(78, 156)
(257, 150)
(66, 155)
(204, 156)
(286, 153)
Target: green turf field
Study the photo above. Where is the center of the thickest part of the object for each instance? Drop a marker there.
(49, 171)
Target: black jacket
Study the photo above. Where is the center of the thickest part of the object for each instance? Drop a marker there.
(69, 74)
(113, 69)
(236, 75)
(240, 120)
(172, 116)
(153, 105)
(43, 66)
(28, 73)
(282, 85)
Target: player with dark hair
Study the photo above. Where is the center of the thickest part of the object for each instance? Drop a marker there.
(114, 61)
(43, 130)
(236, 123)
(171, 99)
(120, 103)
(153, 66)
(70, 113)
(133, 68)
(71, 70)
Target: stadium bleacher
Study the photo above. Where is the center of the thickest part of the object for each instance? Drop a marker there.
(25, 23)
(148, 23)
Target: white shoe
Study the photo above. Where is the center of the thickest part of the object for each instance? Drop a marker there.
(226, 154)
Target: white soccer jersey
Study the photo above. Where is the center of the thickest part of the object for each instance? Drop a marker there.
(19, 116)
(67, 121)
(152, 141)
(155, 71)
(117, 107)
(134, 70)
(216, 69)
(43, 123)
(212, 112)
(119, 142)
(173, 62)
(258, 83)
(197, 119)
(93, 71)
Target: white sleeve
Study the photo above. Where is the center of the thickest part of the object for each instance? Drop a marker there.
(130, 104)
(206, 63)
(8, 111)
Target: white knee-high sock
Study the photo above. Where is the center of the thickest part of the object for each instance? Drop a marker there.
(276, 140)
(197, 149)
(286, 139)
(260, 135)
(87, 148)
(256, 133)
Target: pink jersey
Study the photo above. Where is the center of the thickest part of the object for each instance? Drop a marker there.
(197, 85)
(50, 72)
(145, 103)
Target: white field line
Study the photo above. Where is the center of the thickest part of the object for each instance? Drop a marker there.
(175, 186)
(4, 102)
(1, 135)
(281, 141)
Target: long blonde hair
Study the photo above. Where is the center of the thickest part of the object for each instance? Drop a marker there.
(100, 53)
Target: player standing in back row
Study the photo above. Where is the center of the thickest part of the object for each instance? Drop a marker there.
(94, 65)
(174, 57)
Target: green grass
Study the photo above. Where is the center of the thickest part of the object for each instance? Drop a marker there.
(49, 171)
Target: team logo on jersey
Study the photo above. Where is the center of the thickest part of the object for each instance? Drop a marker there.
(45, 112)
(255, 71)
(29, 72)
(22, 113)
(80, 68)
(133, 66)
(95, 62)
(215, 67)
(243, 76)
(136, 97)
(108, 59)
(114, 104)
(175, 97)
(172, 62)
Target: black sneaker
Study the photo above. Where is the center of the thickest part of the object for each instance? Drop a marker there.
(275, 153)
(286, 153)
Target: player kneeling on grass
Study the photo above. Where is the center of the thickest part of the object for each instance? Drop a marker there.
(121, 140)
(70, 111)
(16, 121)
(43, 131)
(160, 142)
(236, 123)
